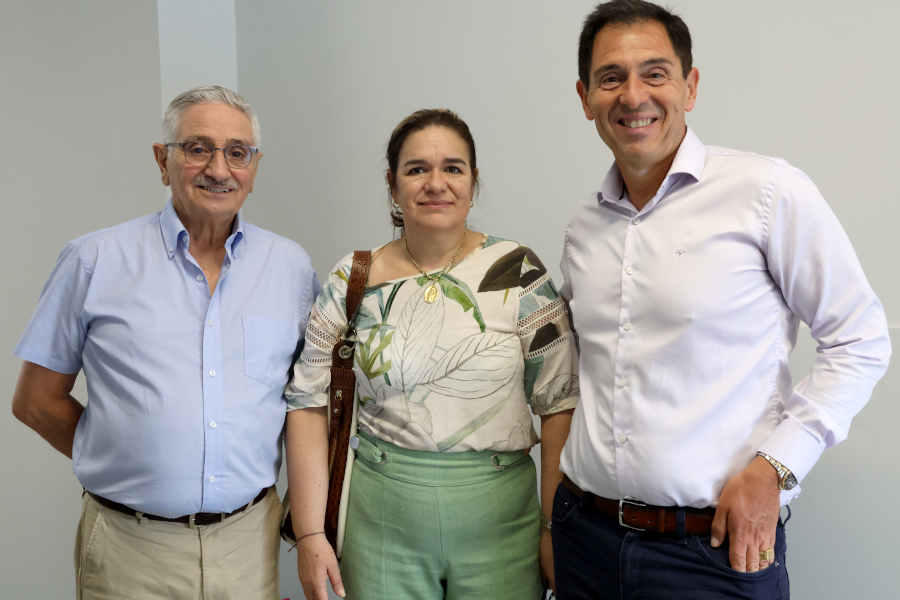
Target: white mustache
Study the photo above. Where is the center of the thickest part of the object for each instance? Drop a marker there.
(206, 181)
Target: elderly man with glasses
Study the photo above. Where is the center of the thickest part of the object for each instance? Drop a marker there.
(185, 323)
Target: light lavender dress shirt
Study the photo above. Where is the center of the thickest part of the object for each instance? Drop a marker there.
(686, 313)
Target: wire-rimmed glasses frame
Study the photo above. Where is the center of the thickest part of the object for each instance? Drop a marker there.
(200, 154)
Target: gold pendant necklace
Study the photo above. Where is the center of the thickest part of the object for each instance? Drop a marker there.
(431, 290)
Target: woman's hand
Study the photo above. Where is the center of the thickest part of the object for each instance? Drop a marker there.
(316, 564)
(307, 465)
(545, 557)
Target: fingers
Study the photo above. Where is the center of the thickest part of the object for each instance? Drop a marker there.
(767, 547)
(334, 574)
(718, 530)
(316, 567)
(748, 555)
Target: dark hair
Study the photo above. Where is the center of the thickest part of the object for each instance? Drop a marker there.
(419, 120)
(631, 12)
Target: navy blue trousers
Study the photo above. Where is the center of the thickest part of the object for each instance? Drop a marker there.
(595, 558)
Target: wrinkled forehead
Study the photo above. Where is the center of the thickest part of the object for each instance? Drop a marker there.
(215, 123)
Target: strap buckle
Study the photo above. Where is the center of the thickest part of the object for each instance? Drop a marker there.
(622, 504)
(348, 333)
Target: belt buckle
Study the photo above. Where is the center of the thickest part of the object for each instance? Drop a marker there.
(625, 502)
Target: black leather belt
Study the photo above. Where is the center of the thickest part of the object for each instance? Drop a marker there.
(192, 520)
(646, 517)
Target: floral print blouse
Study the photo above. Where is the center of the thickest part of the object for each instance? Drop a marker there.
(455, 374)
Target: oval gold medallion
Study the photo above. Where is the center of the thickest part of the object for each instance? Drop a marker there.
(431, 293)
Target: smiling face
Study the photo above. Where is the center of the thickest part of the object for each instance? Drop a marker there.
(434, 180)
(637, 95)
(213, 193)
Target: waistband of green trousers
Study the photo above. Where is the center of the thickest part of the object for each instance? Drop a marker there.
(435, 468)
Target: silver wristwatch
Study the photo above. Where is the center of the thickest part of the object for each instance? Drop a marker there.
(786, 479)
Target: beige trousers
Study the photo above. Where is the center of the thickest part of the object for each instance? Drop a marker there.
(117, 557)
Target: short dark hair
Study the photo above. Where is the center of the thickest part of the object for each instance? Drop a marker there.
(632, 12)
(419, 120)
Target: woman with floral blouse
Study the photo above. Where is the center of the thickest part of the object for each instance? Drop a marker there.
(461, 336)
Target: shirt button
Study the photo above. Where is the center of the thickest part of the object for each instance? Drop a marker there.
(622, 439)
(199, 277)
(171, 248)
(627, 326)
(622, 382)
(212, 478)
(213, 424)
(637, 220)
(629, 270)
(212, 373)
(210, 323)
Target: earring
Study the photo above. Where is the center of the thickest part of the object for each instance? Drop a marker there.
(395, 208)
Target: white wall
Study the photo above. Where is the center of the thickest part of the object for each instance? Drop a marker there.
(800, 80)
(79, 109)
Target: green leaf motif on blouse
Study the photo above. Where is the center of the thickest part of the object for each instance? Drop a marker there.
(459, 292)
(366, 355)
(533, 368)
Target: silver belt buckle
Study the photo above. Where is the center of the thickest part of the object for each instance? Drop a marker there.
(622, 504)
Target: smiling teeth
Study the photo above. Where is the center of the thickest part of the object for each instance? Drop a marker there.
(641, 123)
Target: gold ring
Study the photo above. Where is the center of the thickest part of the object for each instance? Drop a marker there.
(766, 555)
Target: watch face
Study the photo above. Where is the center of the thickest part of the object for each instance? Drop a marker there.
(790, 482)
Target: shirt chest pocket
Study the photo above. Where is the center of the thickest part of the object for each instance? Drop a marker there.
(269, 345)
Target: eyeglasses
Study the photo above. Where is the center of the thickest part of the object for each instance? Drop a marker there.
(200, 154)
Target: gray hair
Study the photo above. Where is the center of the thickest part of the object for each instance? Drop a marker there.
(209, 94)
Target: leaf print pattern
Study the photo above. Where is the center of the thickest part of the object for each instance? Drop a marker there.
(476, 367)
(563, 385)
(458, 374)
(517, 268)
(458, 291)
(414, 339)
(544, 336)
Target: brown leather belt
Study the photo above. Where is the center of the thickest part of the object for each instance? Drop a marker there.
(193, 520)
(646, 517)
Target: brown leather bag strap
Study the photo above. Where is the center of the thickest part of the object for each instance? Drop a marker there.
(356, 286)
(341, 396)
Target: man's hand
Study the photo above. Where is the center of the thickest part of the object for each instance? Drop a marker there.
(316, 564)
(546, 558)
(748, 513)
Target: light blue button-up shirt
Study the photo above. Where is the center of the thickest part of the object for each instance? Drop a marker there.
(185, 407)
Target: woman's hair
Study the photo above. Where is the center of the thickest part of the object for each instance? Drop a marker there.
(419, 120)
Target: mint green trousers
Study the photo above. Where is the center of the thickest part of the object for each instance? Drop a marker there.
(432, 526)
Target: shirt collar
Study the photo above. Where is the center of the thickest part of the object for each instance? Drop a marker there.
(689, 160)
(174, 232)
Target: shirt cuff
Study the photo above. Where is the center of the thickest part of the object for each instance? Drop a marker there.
(794, 446)
(558, 406)
(45, 360)
(298, 401)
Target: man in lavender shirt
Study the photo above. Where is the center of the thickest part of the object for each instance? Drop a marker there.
(688, 274)
(185, 323)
